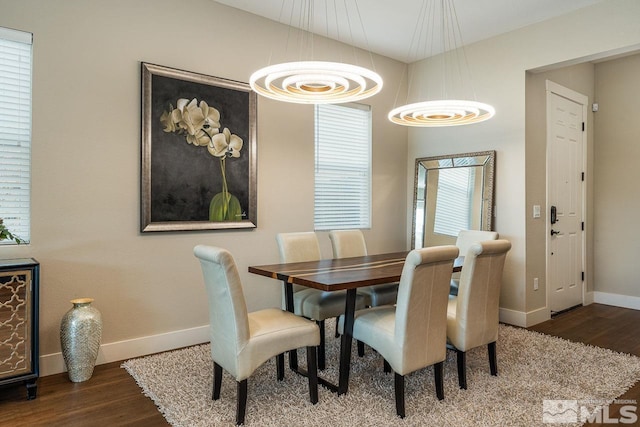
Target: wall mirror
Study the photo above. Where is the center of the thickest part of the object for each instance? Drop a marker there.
(452, 193)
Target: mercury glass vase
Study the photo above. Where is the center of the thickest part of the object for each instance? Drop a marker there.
(80, 335)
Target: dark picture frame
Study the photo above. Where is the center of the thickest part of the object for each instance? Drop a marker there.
(195, 171)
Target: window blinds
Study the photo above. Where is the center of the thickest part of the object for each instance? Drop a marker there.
(342, 166)
(15, 131)
(453, 201)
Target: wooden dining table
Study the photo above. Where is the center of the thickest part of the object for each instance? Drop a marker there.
(334, 275)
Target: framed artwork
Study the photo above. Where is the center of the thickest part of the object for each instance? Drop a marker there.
(198, 152)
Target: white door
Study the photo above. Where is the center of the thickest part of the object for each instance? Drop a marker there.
(566, 112)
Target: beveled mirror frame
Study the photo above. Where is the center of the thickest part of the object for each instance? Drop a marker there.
(488, 185)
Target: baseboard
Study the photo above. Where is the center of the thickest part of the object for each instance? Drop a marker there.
(513, 317)
(112, 352)
(524, 319)
(538, 316)
(588, 298)
(617, 300)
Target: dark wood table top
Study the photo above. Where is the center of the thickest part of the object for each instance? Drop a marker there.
(334, 275)
(341, 273)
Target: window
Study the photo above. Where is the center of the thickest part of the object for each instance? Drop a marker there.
(15, 131)
(453, 202)
(343, 166)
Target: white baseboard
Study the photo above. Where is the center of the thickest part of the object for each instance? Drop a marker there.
(588, 298)
(617, 300)
(513, 317)
(524, 319)
(538, 316)
(112, 352)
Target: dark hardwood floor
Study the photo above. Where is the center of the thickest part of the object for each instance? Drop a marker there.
(112, 398)
(601, 326)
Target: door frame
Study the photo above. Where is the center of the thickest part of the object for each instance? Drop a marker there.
(554, 88)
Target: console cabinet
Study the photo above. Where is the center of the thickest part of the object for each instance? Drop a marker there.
(19, 281)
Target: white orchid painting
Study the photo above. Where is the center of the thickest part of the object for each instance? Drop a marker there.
(201, 152)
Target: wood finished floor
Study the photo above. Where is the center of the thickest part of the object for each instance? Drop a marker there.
(112, 398)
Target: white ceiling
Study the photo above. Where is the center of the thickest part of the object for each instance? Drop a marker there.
(389, 24)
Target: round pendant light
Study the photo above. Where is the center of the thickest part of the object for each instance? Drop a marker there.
(308, 74)
(438, 18)
(315, 82)
(441, 113)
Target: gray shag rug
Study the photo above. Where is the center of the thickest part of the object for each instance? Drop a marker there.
(532, 367)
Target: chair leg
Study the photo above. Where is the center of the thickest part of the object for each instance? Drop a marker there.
(241, 407)
(387, 367)
(462, 369)
(399, 387)
(360, 348)
(493, 360)
(337, 333)
(321, 355)
(438, 377)
(217, 380)
(280, 366)
(312, 373)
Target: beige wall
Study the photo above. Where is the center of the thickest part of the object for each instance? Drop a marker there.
(86, 163)
(499, 68)
(616, 201)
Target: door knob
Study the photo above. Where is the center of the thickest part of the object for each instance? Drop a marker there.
(553, 232)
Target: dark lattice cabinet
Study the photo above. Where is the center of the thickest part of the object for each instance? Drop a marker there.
(19, 279)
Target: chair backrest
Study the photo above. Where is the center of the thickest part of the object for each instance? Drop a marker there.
(347, 243)
(228, 317)
(478, 299)
(421, 308)
(298, 247)
(466, 238)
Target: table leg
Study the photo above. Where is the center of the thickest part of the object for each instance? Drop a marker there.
(346, 341)
(288, 298)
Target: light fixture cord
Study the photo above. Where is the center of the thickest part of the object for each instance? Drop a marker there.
(413, 53)
(445, 55)
(463, 54)
(364, 34)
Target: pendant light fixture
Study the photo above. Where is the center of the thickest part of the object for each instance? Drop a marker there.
(445, 110)
(310, 81)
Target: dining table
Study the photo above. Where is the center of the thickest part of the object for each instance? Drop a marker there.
(337, 274)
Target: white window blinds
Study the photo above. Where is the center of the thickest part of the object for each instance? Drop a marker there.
(343, 166)
(15, 131)
(453, 201)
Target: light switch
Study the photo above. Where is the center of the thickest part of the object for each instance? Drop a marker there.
(536, 211)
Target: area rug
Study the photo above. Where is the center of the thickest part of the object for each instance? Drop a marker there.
(533, 370)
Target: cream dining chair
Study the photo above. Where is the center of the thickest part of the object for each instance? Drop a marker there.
(351, 243)
(308, 302)
(241, 341)
(472, 315)
(412, 334)
(465, 239)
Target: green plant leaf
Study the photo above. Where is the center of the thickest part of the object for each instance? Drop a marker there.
(225, 210)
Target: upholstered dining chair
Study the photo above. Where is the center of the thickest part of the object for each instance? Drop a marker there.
(351, 243)
(412, 334)
(242, 341)
(465, 239)
(472, 315)
(308, 302)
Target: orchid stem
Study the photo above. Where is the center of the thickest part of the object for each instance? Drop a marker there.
(225, 189)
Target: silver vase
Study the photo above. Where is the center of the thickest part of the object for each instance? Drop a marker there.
(80, 335)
